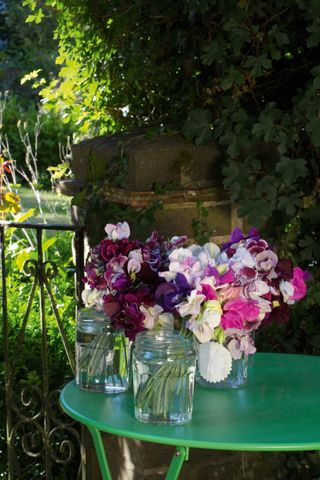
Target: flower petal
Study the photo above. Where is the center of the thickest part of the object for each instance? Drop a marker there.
(215, 361)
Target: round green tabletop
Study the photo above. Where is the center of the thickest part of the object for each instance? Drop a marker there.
(279, 409)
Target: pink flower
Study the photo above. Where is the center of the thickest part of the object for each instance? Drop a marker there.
(298, 283)
(238, 312)
(227, 277)
(229, 293)
(117, 263)
(208, 291)
(232, 319)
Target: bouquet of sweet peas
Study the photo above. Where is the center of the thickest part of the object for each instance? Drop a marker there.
(122, 277)
(220, 294)
(227, 293)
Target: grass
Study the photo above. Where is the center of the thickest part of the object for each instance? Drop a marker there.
(56, 208)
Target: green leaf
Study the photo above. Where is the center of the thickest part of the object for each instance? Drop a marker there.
(232, 76)
(30, 76)
(313, 130)
(291, 169)
(23, 256)
(48, 243)
(258, 64)
(264, 128)
(266, 188)
(213, 52)
(198, 127)
(314, 30)
(24, 216)
(289, 204)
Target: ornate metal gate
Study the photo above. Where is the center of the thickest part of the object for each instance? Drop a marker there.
(41, 440)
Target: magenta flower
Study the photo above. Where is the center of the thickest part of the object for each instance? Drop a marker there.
(237, 313)
(298, 283)
(208, 291)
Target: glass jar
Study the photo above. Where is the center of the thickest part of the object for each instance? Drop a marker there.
(215, 360)
(163, 377)
(102, 363)
(236, 378)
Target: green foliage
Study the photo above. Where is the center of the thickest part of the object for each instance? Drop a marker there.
(52, 133)
(26, 47)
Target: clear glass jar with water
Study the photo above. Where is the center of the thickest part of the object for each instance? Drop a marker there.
(102, 363)
(163, 367)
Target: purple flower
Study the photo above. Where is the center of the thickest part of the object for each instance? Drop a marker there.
(237, 235)
(168, 295)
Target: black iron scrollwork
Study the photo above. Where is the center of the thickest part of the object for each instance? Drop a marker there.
(36, 426)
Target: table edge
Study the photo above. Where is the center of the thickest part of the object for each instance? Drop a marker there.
(249, 447)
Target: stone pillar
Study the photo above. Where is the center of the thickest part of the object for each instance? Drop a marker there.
(166, 174)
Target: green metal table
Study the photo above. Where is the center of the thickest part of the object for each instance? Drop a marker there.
(278, 410)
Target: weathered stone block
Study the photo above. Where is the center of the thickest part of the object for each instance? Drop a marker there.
(149, 162)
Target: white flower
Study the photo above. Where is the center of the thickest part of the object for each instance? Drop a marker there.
(242, 258)
(133, 266)
(136, 255)
(203, 332)
(155, 317)
(192, 305)
(151, 314)
(241, 346)
(212, 249)
(117, 231)
(211, 313)
(203, 325)
(286, 289)
(264, 307)
(93, 298)
(215, 361)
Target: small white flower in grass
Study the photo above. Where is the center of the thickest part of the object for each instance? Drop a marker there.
(215, 361)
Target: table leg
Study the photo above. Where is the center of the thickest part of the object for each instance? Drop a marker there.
(101, 454)
(180, 455)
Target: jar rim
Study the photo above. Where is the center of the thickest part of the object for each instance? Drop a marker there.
(92, 315)
(163, 340)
